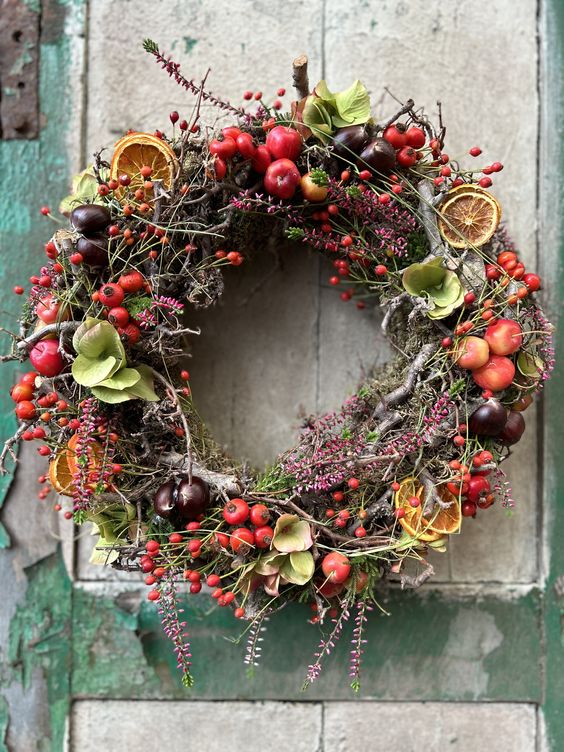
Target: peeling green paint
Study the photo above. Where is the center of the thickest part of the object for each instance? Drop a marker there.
(436, 648)
(40, 636)
(38, 174)
(189, 44)
(552, 222)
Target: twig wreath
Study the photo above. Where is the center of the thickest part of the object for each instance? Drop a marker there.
(379, 482)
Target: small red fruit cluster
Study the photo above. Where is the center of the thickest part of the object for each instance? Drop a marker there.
(274, 159)
(487, 357)
(513, 269)
(406, 142)
(471, 483)
(236, 512)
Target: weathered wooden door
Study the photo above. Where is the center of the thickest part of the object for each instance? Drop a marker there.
(476, 659)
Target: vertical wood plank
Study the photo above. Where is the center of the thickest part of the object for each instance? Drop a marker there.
(551, 266)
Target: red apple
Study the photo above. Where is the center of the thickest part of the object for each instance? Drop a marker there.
(504, 337)
(48, 309)
(336, 567)
(311, 191)
(46, 358)
(471, 352)
(496, 374)
(284, 143)
(282, 178)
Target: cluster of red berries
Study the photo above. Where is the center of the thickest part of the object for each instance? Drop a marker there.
(112, 295)
(509, 267)
(407, 142)
(342, 518)
(275, 159)
(154, 564)
(237, 512)
(471, 485)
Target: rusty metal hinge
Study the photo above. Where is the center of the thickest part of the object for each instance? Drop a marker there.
(19, 70)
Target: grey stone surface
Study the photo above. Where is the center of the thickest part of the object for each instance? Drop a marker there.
(411, 727)
(196, 726)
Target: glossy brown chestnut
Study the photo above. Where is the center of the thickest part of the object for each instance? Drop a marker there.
(90, 218)
(379, 156)
(192, 499)
(513, 429)
(488, 419)
(163, 500)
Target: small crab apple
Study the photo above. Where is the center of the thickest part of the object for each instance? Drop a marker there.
(504, 337)
(225, 149)
(336, 567)
(50, 310)
(46, 358)
(281, 179)
(25, 410)
(261, 159)
(311, 191)
(284, 143)
(496, 374)
(246, 146)
(471, 352)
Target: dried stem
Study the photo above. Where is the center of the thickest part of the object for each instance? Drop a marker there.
(300, 76)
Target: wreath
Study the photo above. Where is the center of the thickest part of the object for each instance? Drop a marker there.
(368, 488)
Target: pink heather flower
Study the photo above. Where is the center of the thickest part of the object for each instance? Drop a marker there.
(173, 628)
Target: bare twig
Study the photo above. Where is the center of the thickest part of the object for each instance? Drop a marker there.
(300, 76)
(408, 581)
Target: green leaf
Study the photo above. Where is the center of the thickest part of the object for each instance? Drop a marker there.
(106, 556)
(270, 563)
(353, 105)
(91, 371)
(448, 292)
(529, 365)
(88, 323)
(111, 396)
(84, 191)
(298, 568)
(291, 534)
(322, 91)
(99, 341)
(441, 312)
(144, 388)
(418, 278)
(122, 379)
(317, 118)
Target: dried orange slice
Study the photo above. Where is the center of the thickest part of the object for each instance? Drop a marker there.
(60, 474)
(446, 521)
(443, 521)
(95, 454)
(136, 150)
(413, 522)
(469, 216)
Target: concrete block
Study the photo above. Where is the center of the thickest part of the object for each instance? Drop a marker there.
(460, 727)
(247, 45)
(196, 726)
